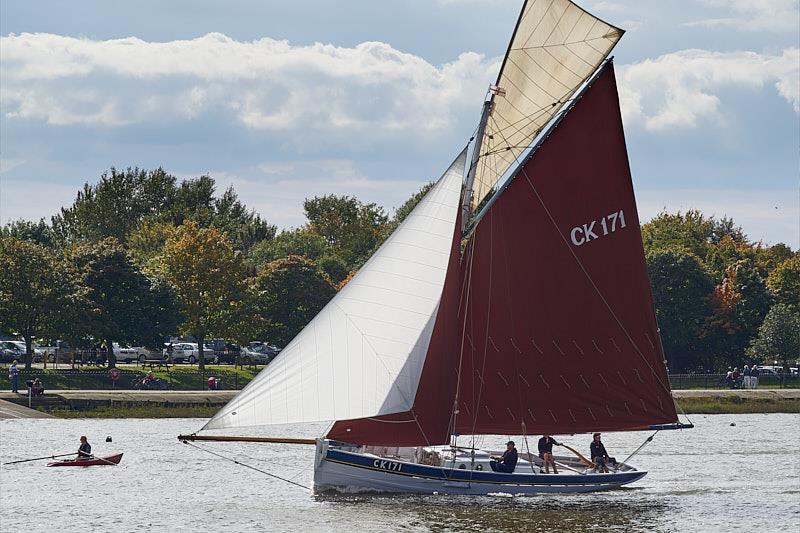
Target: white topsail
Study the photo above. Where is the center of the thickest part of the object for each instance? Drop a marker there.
(363, 354)
(555, 48)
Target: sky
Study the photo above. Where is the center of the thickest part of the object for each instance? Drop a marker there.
(286, 100)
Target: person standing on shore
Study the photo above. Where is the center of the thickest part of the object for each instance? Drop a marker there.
(13, 376)
(746, 376)
(754, 373)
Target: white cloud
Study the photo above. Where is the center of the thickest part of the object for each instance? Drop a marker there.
(264, 84)
(680, 88)
(754, 15)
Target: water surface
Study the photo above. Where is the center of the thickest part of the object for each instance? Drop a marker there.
(717, 477)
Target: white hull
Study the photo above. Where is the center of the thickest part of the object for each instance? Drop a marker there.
(343, 469)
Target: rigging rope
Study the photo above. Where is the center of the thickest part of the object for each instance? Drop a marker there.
(637, 450)
(234, 461)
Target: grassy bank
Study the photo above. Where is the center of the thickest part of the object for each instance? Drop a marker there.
(738, 405)
(139, 411)
(700, 405)
(94, 378)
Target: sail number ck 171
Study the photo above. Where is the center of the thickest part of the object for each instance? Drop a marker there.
(387, 465)
(597, 228)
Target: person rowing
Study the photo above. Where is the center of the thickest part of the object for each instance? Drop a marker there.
(85, 450)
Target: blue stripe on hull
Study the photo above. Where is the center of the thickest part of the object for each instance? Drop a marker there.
(448, 475)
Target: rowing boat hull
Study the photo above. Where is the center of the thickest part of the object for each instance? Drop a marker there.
(98, 461)
(343, 471)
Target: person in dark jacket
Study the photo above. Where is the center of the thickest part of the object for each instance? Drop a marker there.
(599, 454)
(85, 450)
(754, 373)
(507, 462)
(546, 453)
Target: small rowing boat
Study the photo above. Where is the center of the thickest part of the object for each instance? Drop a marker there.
(93, 461)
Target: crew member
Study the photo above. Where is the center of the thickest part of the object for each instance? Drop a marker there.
(546, 453)
(599, 454)
(506, 462)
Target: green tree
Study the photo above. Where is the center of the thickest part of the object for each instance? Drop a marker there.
(404, 210)
(36, 232)
(209, 280)
(290, 292)
(115, 206)
(194, 200)
(36, 290)
(682, 289)
(691, 231)
(122, 303)
(301, 241)
(784, 283)
(778, 337)
(351, 228)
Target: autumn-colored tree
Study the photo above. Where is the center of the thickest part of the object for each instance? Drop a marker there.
(37, 290)
(147, 241)
(210, 283)
(290, 292)
(739, 305)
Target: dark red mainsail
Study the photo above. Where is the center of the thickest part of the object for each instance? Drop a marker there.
(546, 324)
(560, 329)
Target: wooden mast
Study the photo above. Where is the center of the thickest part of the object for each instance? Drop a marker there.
(227, 438)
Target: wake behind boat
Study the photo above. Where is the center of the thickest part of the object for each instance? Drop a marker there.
(513, 300)
(90, 461)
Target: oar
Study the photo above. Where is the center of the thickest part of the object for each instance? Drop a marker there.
(586, 461)
(106, 460)
(39, 458)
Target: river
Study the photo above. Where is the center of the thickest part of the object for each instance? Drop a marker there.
(730, 473)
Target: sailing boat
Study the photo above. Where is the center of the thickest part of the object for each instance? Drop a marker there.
(513, 300)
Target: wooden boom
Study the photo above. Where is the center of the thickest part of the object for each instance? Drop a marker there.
(224, 438)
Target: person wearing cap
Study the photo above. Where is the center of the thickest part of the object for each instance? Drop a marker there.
(507, 462)
(599, 454)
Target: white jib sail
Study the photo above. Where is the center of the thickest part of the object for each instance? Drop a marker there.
(556, 47)
(363, 354)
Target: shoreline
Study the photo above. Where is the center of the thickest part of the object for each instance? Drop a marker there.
(204, 404)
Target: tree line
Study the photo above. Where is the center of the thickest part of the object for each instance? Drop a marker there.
(139, 256)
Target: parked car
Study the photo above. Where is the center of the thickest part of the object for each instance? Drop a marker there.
(12, 350)
(56, 349)
(188, 352)
(128, 354)
(259, 353)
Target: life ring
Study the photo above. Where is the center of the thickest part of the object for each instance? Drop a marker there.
(114, 373)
